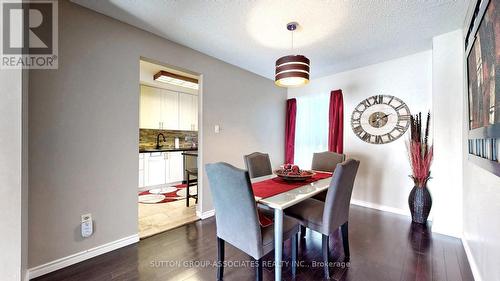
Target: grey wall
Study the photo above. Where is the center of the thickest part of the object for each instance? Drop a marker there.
(84, 120)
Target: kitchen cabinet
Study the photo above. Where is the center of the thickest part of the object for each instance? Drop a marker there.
(169, 117)
(160, 168)
(188, 112)
(150, 108)
(156, 169)
(195, 113)
(141, 170)
(167, 110)
(176, 167)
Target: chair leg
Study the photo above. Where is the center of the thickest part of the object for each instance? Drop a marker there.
(258, 270)
(324, 247)
(220, 259)
(197, 192)
(345, 240)
(295, 245)
(302, 232)
(187, 191)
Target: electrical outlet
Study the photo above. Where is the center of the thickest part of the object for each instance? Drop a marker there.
(87, 225)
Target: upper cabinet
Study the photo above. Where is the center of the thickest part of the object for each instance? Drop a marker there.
(150, 108)
(188, 112)
(195, 113)
(167, 110)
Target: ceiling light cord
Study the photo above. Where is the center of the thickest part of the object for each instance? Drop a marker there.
(292, 26)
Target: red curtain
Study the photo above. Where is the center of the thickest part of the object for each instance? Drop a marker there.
(291, 112)
(336, 122)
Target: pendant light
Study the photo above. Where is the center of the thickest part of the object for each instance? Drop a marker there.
(292, 70)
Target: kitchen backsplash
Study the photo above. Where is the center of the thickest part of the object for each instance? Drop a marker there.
(147, 138)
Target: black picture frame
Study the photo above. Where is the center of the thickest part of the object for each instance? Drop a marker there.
(483, 142)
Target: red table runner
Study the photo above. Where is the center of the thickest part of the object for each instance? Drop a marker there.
(271, 187)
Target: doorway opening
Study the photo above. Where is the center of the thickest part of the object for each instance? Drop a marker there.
(168, 148)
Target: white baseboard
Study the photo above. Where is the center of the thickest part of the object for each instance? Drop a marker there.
(381, 207)
(81, 256)
(472, 262)
(446, 232)
(205, 215)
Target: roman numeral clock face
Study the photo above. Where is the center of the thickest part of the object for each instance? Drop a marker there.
(380, 119)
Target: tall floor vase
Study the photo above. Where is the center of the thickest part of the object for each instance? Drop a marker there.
(420, 202)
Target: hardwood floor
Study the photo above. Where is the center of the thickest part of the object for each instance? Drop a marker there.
(156, 218)
(383, 246)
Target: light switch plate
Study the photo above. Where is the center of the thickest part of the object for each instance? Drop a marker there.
(217, 129)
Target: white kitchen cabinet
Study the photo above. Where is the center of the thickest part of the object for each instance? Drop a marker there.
(167, 110)
(194, 117)
(159, 168)
(141, 179)
(176, 167)
(150, 108)
(188, 112)
(159, 109)
(169, 116)
(156, 168)
(185, 108)
(141, 170)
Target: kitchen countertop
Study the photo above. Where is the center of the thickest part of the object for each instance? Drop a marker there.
(190, 153)
(166, 149)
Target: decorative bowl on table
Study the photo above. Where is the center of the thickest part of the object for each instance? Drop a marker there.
(289, 172)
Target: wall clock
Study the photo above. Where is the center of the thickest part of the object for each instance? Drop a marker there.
(380, 119)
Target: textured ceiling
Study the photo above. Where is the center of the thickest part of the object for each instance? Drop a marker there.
(336, 34)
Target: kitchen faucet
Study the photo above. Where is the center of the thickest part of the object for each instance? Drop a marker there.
(158, 146)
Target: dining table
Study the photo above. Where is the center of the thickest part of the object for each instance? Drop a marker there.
(297, 193)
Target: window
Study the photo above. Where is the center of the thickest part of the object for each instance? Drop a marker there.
(311, 131)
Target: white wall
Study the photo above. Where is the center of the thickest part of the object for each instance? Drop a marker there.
(481, 206)
(466, 197)
(382, 178)
(481, 203)
(12, 194)
(448, 123)
(84, 120)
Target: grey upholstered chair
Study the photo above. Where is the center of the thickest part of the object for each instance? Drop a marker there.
(237, 220)
(323, 161)
(326, 161)
(326, 217)
(258, 164)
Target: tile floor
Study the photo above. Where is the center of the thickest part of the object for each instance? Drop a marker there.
(157, 218)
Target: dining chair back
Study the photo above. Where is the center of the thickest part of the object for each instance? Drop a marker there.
(326, 161)
(338, 197)
(235, 210)
(258, 164)
(327, 216)
(237, 221)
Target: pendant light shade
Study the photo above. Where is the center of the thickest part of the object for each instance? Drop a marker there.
(292, 71)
